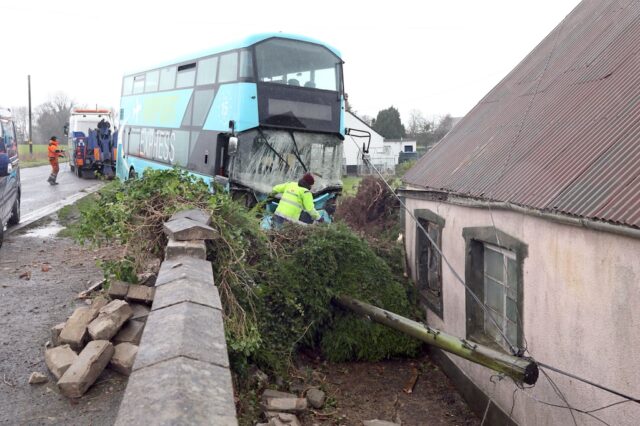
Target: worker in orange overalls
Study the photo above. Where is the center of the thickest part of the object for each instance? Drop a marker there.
(54, 153)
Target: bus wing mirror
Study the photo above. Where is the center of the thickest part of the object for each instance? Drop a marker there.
(65, 129)
(233, 145)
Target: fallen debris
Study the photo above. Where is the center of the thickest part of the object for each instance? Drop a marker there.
(411, 383)
(37, 378)
(25, 275)
(59, 359)
(87, 293)
(281, 401)
(316, 397)
(86, 368)
(131, 332)
(55, 334)
(110, 319)
(141, 294)
(123, 357)
(118, 289)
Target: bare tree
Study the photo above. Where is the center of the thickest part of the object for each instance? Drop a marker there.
(52, 116)
(418, 125)
(21, 121)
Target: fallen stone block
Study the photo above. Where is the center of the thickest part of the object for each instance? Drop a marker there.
(180, 391)
(74, 332)
(376, 422)
(185, 267)
(193, 214)
(110, 319)
(141, 294)
(193, 248)
(37, 378)
(140, 312)
(55, 334)
(271, 393)
(118, 290)
(131, 332)
(282, 419)
(186, 290)
(282, 401)
(123, 357)
(316, 397)
(185, 229)
(147, 278)
(59, 359)
(86, 368)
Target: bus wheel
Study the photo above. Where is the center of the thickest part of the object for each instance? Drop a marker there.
(132, 173)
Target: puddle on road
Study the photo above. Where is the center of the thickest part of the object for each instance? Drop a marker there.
(48, 231)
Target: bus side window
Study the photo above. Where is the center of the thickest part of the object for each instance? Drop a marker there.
(246, 64)
(167, 78)
(127, 86)
(228, 67)
(186, 75)
(138, 84)
(207, 71)
(151, 81)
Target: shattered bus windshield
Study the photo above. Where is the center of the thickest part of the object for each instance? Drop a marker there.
(270, 157)
(297, 63)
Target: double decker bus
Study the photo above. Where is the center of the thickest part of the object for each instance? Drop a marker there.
(251, 115)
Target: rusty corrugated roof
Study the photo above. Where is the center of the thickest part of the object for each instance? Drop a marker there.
(561, 132)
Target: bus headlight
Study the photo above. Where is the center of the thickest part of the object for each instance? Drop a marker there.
(233, 145)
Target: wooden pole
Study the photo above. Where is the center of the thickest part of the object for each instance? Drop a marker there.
(520, 369)
(30, 135)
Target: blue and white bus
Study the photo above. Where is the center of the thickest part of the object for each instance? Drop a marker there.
(252, 114)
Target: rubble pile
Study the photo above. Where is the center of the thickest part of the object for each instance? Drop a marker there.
(104, 334)
(281, 408)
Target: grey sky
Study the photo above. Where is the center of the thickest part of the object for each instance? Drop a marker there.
(436, 56)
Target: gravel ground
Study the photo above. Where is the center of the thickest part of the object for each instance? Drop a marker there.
(28, 310)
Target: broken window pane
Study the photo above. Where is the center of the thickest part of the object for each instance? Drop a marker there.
(494, 295)
(493, 263)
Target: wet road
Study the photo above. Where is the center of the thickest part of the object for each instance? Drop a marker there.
(40, 199)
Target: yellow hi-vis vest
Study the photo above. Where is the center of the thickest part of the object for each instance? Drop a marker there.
(294, 200)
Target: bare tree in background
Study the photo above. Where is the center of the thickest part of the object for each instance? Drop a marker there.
(51, 117)
(21, 121)
(418, 125)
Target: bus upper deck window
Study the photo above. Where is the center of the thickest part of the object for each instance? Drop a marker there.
(186, 75)
(207, 71)
(168, 78)
(151, 81)
(127, 86)
(228, 67)
(246, 64)
(138, 84)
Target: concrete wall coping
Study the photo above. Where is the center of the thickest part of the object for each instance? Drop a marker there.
(181, 374)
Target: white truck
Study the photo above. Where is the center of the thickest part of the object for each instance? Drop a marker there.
(92, 140)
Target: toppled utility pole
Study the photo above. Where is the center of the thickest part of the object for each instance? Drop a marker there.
(520, 369)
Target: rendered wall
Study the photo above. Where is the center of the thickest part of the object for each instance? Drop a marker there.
(581, 313)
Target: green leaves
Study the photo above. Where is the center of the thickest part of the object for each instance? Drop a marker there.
(276, 287)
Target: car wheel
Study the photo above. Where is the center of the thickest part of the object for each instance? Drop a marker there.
(15, 213)
(132, 173)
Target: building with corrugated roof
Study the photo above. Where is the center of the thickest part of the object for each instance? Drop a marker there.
(534, 199)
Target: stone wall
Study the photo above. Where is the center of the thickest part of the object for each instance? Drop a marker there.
(181, 373)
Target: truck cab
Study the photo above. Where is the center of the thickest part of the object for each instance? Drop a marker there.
(91, 138)
(9, 173)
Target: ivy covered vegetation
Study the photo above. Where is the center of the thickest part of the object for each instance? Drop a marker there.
(276, 287)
